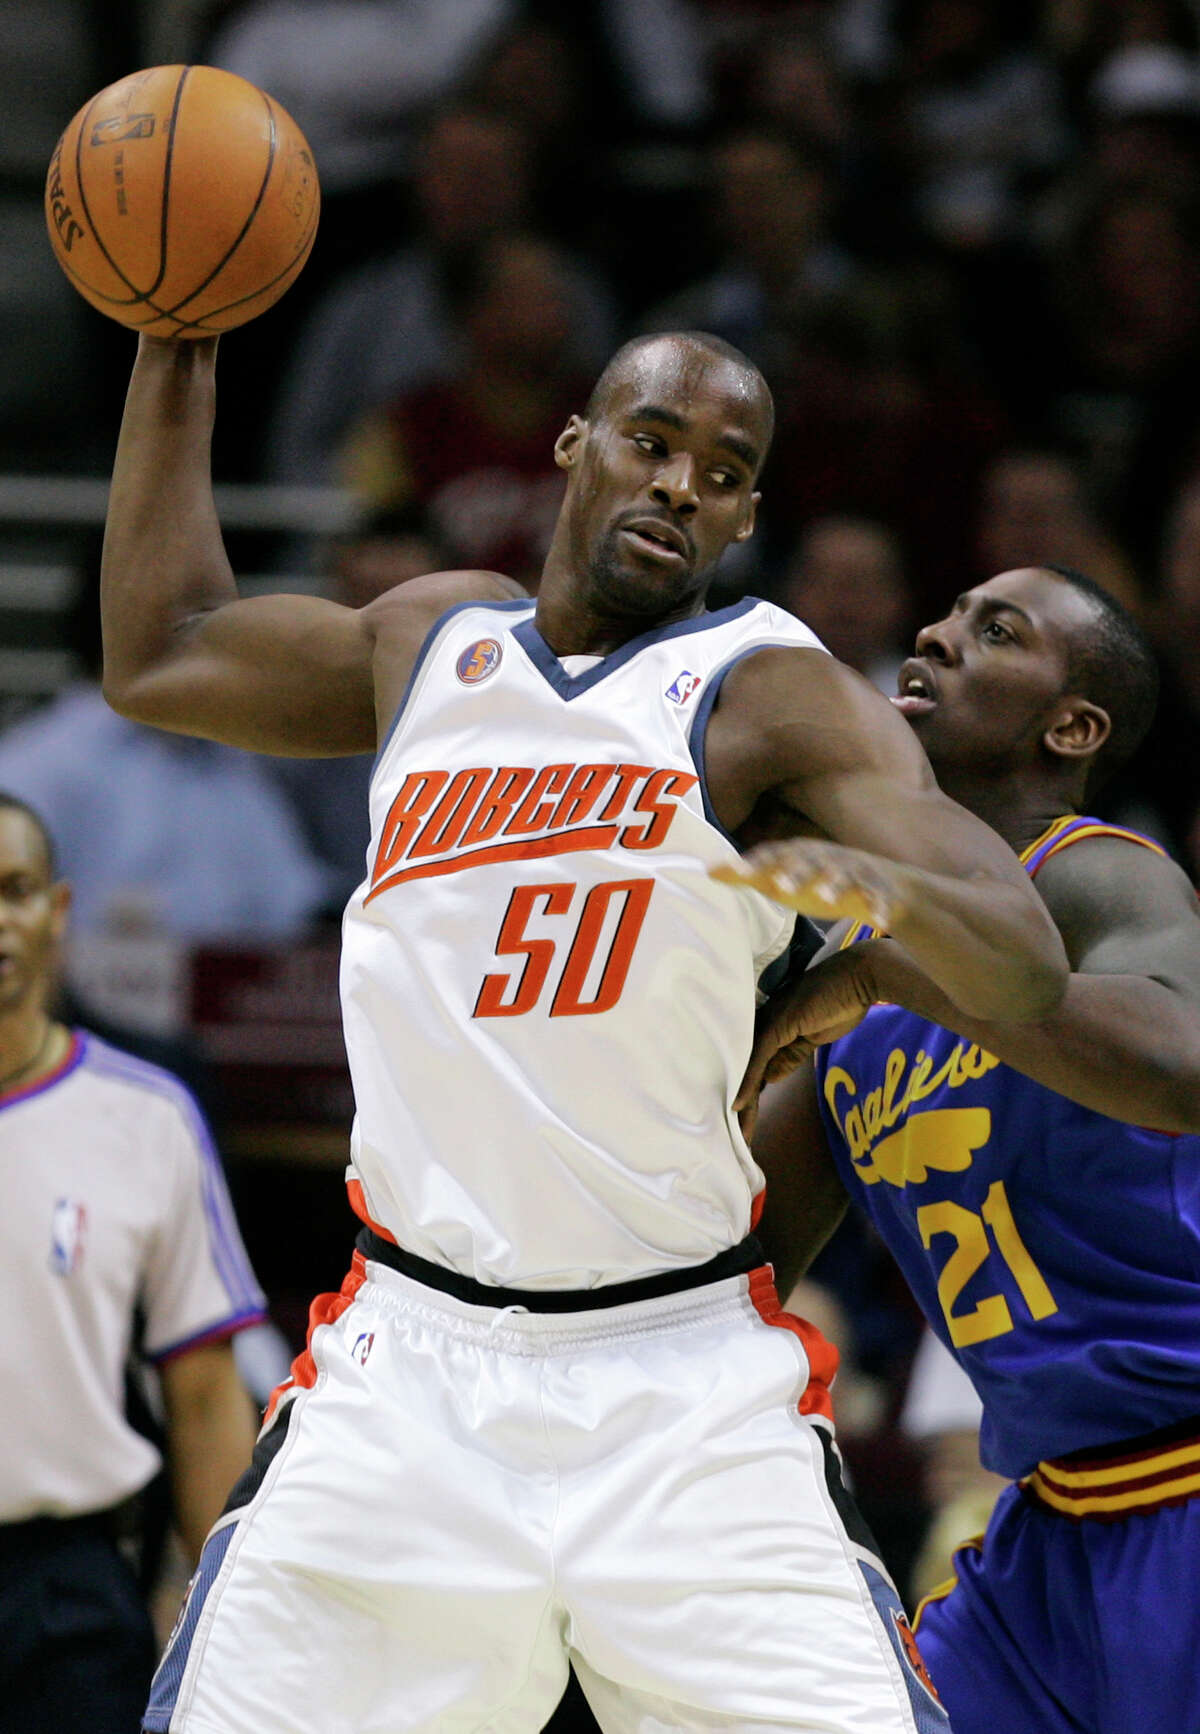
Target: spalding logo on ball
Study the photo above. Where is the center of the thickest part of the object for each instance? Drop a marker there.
(182, 201)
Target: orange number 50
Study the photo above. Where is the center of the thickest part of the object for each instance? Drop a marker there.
(539, 954)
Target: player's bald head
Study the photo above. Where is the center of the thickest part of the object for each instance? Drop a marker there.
(670, 365)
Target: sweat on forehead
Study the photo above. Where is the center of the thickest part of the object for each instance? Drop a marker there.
(678, 364)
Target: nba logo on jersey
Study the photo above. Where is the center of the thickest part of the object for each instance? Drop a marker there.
(683, 686)
(478, 661)
(364, 1342)
(68, 1236)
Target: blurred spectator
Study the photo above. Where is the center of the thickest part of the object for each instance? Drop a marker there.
(161, 831)
(608, 94)
(982, 115)
(1161, 779)
(797, 88)
(1083, 34)
(387, 327)
(941, 1415)
(354, 74)
(1142, 117)
(1034, 509)
(883, 415)
(795, 82)
(1124, 364)
(476, 452)
(770, 209)
(329, 796)
(846, 580)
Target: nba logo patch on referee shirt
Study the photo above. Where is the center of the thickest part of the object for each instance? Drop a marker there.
(68, 1236)
(478, 661)
(683, 686)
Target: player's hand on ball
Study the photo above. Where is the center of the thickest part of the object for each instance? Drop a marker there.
(824, 880)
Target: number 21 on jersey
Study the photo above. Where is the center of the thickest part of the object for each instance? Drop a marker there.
(598, 932)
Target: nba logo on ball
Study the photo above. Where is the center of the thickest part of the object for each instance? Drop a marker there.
(478, 661)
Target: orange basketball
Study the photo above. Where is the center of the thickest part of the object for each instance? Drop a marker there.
(182, 201)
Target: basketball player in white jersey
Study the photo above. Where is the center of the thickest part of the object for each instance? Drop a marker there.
(112, 1208)
(555, 1409)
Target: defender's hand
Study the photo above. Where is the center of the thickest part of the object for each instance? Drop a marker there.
(826, 1002)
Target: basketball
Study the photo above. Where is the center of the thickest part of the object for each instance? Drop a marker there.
(182, 201)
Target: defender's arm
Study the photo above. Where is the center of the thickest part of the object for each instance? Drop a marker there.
(805, 1198)
(1125, 1040)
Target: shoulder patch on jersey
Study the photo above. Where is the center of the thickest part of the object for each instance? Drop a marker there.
(478, 661)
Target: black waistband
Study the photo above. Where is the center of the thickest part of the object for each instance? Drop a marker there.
(114, 1524)
(738, 1260)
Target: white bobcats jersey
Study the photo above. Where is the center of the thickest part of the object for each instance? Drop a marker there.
(548, 1003)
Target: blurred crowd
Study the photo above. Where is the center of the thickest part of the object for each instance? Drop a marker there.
(961, 237)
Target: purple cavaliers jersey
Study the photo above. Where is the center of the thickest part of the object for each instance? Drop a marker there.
(1054, 1250)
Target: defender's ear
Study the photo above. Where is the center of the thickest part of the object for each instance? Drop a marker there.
(747, 529)
(566, 446)
(1078, 730)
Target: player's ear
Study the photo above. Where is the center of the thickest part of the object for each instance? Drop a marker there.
(567, 445)
(747, 529)
(1078, 729)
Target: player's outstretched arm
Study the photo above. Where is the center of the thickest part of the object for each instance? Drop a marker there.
(1125, 1040)
(278, 674)
(832, 757)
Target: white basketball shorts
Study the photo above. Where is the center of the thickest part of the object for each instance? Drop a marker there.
(451, 1500)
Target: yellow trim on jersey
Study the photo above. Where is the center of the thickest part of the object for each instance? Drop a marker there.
(1093, 828)
(942, 1590)
(1135, 1484)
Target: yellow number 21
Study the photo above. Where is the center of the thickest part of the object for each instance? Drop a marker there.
(991, 1317)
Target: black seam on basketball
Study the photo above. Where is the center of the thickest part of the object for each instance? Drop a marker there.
(245, 228)
(294, 264)
(92, 294)
(166, 186)
(136, 294)
(83, 198)
(91, 290)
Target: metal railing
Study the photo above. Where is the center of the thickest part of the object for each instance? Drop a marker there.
(38, 594)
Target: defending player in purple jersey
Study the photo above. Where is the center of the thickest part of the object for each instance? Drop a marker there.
(1039, 1187)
